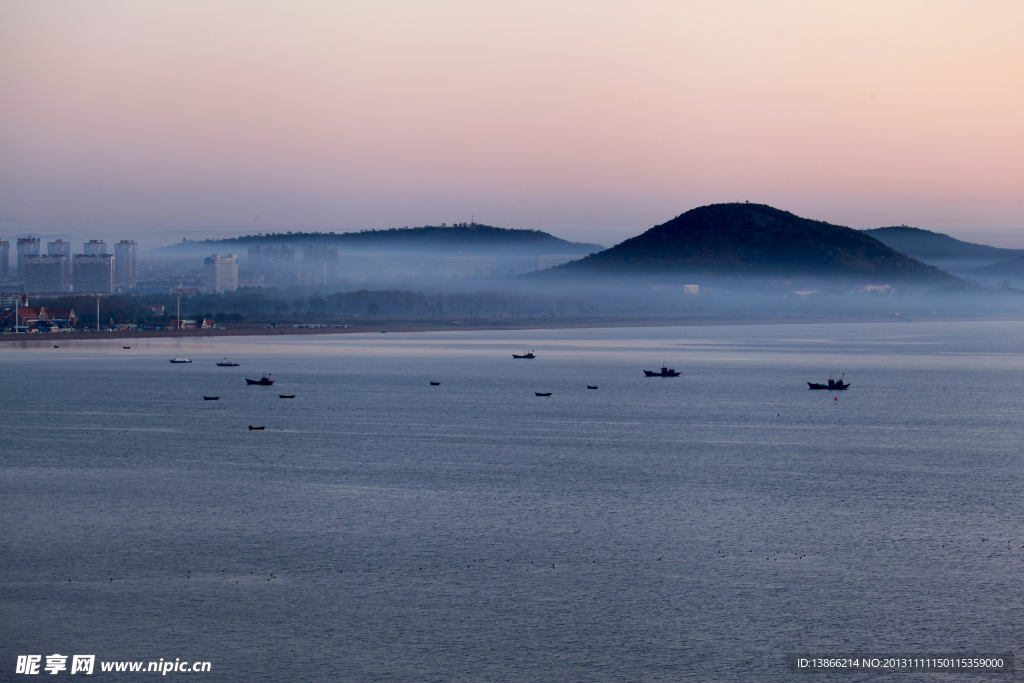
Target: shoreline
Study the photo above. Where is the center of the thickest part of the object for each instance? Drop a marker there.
(408, 325)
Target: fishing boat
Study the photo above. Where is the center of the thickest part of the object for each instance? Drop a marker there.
(180, 360)
(665, 372)
(210, 398)
(256, 428)
(435, 384)
(227, 364)
(540, 394)
(590, 387)
(833, 385)
(263, 381)
(126, 347)
(528, 354)
(285, 396)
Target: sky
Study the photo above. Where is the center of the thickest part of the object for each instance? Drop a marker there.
(591, 120)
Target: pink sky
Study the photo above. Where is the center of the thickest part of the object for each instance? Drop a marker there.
(592, 120)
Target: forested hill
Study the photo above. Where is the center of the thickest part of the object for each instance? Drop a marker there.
(753, 240)
(463, 236)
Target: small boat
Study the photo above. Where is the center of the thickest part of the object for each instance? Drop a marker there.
(285, 396)
(435, 384)
(540, 394)
(833, 385)
(227, 364)
(256, 428)
(665, 372)
(55, 346)
(528, 354)
(126, 347)
(263, 381)
(210, 398)
(590, 387)
(180, 360)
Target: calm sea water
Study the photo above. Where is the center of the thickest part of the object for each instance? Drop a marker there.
(382, 529)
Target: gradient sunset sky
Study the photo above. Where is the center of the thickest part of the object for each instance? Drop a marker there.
(591, 120)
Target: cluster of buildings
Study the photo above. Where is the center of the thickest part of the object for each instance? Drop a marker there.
(320, 263)
(58, 271)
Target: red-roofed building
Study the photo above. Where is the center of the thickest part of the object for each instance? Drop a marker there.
(39, 317)
(64, 317)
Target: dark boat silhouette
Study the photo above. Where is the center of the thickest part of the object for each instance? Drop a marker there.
(435, 384)
(126, 347)
(833, 385)
(540, 394)
(285, 396)
(590, 387)
(263, 381)
(210, 398)
(256, 428)
(665, 372)
(227, 364)
(528, 354)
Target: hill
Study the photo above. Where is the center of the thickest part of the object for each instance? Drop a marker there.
(1010, 269)
(929, 246)
(461, 237)
(758, 241)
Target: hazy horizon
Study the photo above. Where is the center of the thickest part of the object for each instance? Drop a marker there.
(591, 121)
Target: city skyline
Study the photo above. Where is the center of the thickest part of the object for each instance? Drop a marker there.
(591, 121)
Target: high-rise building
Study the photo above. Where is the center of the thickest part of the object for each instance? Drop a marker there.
(5, 258)
(27, 246)
(94, 273)
(61, 248)
(126, 262)
(94, 247)
(45, 274)
(220, 274)
(321, 262)
(271, 259)
(260, 258)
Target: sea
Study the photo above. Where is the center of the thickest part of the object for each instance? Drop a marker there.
(381, 528)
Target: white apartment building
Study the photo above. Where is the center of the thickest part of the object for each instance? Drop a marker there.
(267, 259)
(94, 248)
(61, 248)
(27, 246)
(45, 274)
(126, 262)
(220, 274)
(321, 262)
(94, 273)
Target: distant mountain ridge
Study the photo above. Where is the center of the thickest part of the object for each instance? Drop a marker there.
(754, 240)
(925, 244)
(460, 237)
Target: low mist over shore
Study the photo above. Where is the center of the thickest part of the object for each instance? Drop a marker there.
(722, 262)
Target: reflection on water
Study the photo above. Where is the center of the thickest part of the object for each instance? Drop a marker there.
(381, 528)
